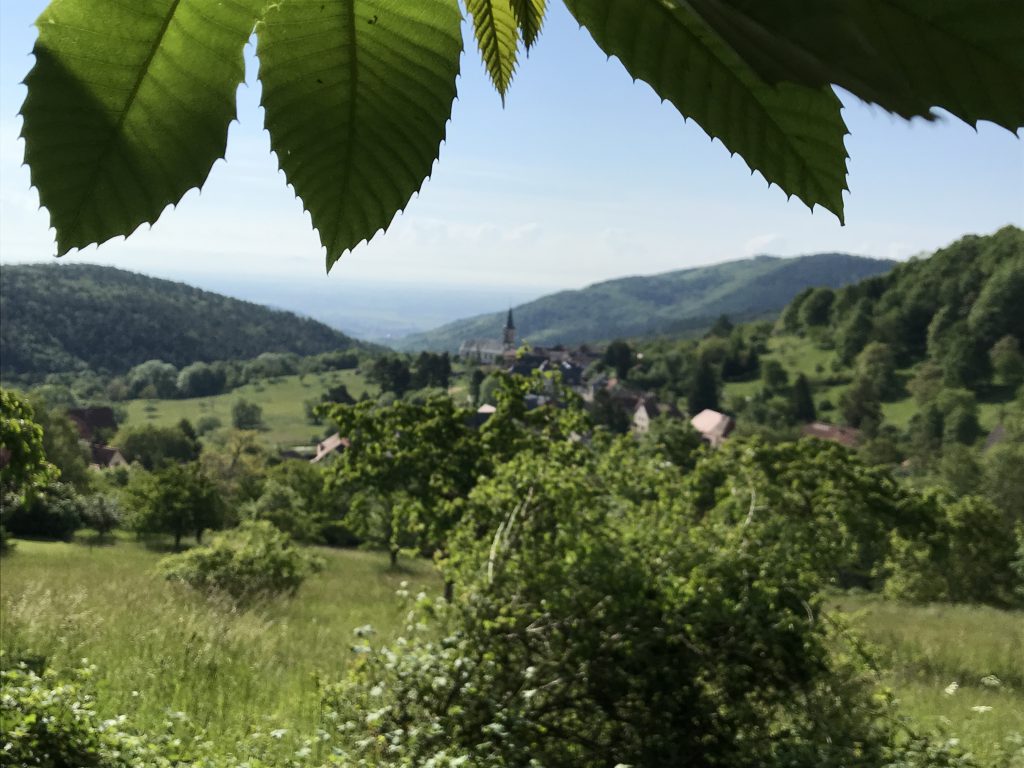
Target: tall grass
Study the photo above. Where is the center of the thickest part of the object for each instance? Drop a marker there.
(958, 668)
(160, 648)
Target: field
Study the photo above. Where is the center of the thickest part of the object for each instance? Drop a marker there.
(282, 400)
(158, 649)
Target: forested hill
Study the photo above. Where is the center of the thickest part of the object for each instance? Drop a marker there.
(952, 308)
(64, 317)
(669, 303)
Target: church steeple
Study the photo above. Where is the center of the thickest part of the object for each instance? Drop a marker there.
(509, 335)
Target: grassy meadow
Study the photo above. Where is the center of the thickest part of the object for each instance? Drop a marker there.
(282, 400)
(159, 648)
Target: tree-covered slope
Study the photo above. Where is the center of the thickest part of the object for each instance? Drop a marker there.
(672, 302)
(950, 308)
(74, 316)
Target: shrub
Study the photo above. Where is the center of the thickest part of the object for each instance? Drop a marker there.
(252, 562)
(53, 512)
(48, 721)
(102, 512)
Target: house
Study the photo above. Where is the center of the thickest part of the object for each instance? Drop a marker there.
(648, 408)
(820, 430)
(91, 423)
(328, 446)
(105, 457)
(713, 426)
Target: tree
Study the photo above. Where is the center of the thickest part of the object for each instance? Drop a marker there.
(391, 374)
(802, 401)
(179, 500)
(816, 308)
(1008, 362)
(246, 415)
(620, 357)
(404, 470)
(704, 389)
(770, 65)
(103, 513)
(877, 363)
(62, 445)
(475, 381)
(774, 376)
(24, 469)
(861, 404)
(154, 447)
(153, 378)
(201, 380)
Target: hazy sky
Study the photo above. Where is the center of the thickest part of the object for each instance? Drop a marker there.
(583, 176)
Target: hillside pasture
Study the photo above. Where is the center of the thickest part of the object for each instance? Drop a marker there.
(282, 400)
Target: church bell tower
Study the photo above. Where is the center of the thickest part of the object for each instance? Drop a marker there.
(509, 334)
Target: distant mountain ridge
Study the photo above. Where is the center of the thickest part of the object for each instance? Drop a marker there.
(67, 317)
(667, 303)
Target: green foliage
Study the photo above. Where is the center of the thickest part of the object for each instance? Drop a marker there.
(116, 91)
(404, 470)
(1008, 362)
(620, 357)
(62, 446)
(200, 380)
(704, 389)
(801, 400)
(497, 34)
(24, 467)
(385, 88)
(178, 499)
(246, 415)
(965, 554)
(83, 316)
(392, 374)
(596, 622)
(253, 562)
(53, 511)
(153, 447)
(103, 512)
(286, 509)
(50, 722)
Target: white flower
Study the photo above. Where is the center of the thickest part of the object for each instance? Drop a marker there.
(991, 681)
(952, 688)
(981, 708)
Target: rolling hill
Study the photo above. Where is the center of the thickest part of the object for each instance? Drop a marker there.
(668, 303)
(67, 317)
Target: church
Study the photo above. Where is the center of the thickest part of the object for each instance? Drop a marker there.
(492, 351)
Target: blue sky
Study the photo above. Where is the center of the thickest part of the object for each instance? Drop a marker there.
(583, 176)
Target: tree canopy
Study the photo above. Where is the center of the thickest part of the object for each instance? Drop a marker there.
(128, 105)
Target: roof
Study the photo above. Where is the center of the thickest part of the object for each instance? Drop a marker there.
(821, 430)
(509, 325)
(328, 446)
(711, 423)
(481, 345)
(88, 420)
(106, 456)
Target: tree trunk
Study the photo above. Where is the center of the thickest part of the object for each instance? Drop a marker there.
(394, 557)
(199, 536)
(449, 590)
(177, 541)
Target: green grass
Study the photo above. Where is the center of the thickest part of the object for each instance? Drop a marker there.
(923, 649)
(282, 401)
(158, 647)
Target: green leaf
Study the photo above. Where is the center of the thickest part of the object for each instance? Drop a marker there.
(791, 134)
(357, 96)
(497, 35)
(530, 16)
(908, 56)
(128, 107)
